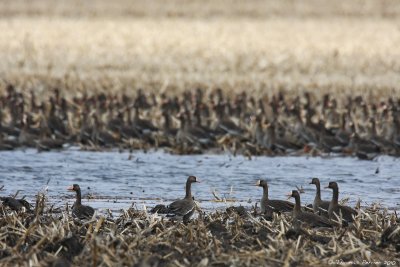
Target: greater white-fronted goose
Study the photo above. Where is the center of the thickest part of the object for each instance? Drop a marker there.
(78, 210)
(335, 210)
(184, 208)
(142, 126)
(308, 218)
(16, 204)
(225, 123)
(319, 206)
(269, 206)
(192, 134)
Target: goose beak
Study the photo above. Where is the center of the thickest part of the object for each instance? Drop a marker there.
(289, 195)
(198, 181)
(326, 187)
(70, 188)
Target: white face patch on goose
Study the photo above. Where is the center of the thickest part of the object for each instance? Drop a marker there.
(258, 182)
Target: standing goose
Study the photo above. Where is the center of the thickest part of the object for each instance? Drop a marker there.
(311, 219)
(78, 210)
(319, 206)
(141, 125)
(192, 134)
(184, 207)
(272, 205)
(335, 209)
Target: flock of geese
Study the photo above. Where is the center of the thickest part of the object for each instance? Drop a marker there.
(199, 120)
(321, 214)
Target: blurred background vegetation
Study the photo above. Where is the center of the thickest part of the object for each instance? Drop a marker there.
(254, 45)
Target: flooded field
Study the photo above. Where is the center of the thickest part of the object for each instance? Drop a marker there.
(117, 180)
(131, 99)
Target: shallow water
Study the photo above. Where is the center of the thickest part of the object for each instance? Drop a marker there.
(116, 181)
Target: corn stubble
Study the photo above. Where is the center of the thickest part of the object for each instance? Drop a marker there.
(220, 238)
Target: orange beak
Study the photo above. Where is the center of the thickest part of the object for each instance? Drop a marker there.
(70, 188)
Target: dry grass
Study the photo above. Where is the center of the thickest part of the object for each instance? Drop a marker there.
(136, 238)
(201, 8)
(341, 46)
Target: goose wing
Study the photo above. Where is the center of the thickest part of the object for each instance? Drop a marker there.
(181, 207)
(313, 220)
(82, 211)
(280, 205)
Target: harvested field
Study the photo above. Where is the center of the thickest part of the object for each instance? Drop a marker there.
(260, 79)
(232, 238)
(342, 49)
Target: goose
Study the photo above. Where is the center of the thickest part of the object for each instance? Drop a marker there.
(308, 218)
(319, 206)
(335, 209)
(78, 210)
(272, 205)
(184, 207)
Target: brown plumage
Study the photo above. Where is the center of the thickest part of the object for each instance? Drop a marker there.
(215, 121)
(78, 210)
(272, 205)
(184, 207)
(308, 218)
(16, 204)
(319, 206)
(335, 210)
